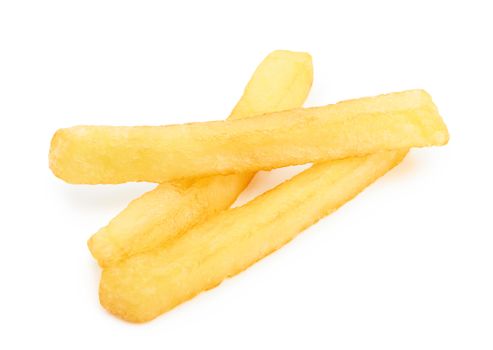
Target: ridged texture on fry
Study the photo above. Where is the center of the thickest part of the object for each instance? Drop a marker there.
(282, 81)
(89, 154)
(145, 286)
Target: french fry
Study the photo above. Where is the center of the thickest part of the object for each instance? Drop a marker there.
(91, 154)
(145, 286)
(282, 81)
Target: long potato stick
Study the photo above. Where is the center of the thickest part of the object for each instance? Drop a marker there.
(91, 154)
(145, 286)
(282, 81)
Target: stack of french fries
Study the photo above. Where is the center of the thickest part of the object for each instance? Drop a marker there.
(181, 238)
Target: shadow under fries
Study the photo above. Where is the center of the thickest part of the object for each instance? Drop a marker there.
(90, 198)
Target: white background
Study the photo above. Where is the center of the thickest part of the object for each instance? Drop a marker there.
(408, 264)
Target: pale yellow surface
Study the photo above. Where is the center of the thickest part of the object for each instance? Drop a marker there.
(282, 81)
(91, 154)
(145, 286)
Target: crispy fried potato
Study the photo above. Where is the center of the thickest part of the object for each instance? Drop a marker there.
(282, 81)
(145, 286)
(91, 154)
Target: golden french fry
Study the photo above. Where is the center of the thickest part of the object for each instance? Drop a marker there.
(91, 154)
(145, 286)
(282, 81)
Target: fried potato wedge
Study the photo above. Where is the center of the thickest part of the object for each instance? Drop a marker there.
(92, 154)
(282, 81)
(145, 286)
